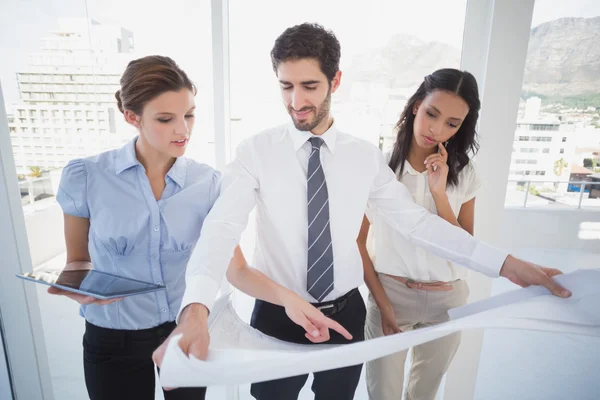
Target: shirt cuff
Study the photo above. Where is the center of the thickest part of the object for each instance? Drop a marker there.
(489, 259)
(200, 289)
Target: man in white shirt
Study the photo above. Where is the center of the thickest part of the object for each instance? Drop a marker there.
(310, 184)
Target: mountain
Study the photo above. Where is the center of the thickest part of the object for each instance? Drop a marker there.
(564, 57)
(400, 63)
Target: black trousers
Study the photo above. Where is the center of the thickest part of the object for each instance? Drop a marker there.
(336, 384)
(118, 364)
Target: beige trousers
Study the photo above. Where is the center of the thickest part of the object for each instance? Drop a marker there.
(413, 309)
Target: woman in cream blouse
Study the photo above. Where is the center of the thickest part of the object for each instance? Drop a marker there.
(411, 288)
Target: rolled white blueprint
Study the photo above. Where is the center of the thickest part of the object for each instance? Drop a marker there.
(239, 354)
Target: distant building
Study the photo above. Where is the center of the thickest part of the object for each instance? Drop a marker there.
(578, 174)
(582, 153)
(543, 147)
(68, 108)
(595, 187)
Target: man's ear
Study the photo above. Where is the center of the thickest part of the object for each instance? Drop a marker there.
(335, 82)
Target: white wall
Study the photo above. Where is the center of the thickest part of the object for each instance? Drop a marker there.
(571, 229)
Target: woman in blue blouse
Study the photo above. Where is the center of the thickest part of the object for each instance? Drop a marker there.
(137, 212)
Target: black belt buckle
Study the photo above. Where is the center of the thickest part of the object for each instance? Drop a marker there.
(328, 309)
(335, 306)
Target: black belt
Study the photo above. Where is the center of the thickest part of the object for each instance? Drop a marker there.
(334, 306)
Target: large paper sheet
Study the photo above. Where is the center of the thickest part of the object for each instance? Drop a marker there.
(239, 354)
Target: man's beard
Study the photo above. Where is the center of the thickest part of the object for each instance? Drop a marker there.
(321, 113)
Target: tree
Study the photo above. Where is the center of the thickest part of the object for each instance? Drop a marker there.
(36, 172)
(588, 163)
(559, 166)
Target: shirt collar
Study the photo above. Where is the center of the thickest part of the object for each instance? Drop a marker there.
(301, 137)
(178, 171)
(126, 159)
(408, 169)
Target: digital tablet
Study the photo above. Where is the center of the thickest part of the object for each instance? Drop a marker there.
(89, 282)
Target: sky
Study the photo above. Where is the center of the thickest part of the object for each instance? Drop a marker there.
(182, 29)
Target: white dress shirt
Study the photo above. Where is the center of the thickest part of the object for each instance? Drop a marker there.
(269, 173)
(394, 255)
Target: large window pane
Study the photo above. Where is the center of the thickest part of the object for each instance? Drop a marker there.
(181, 30)
(557, 139)
(557, 127)
(59, 76)
(387, 48)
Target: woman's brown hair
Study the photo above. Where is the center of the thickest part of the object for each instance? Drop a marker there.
(149, 77)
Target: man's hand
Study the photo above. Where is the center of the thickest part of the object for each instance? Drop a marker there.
(193, 323)
(312, 320)
(525, 274)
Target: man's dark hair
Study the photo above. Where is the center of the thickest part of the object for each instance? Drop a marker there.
(308, 41)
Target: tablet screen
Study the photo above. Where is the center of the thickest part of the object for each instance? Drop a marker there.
(92, 282)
